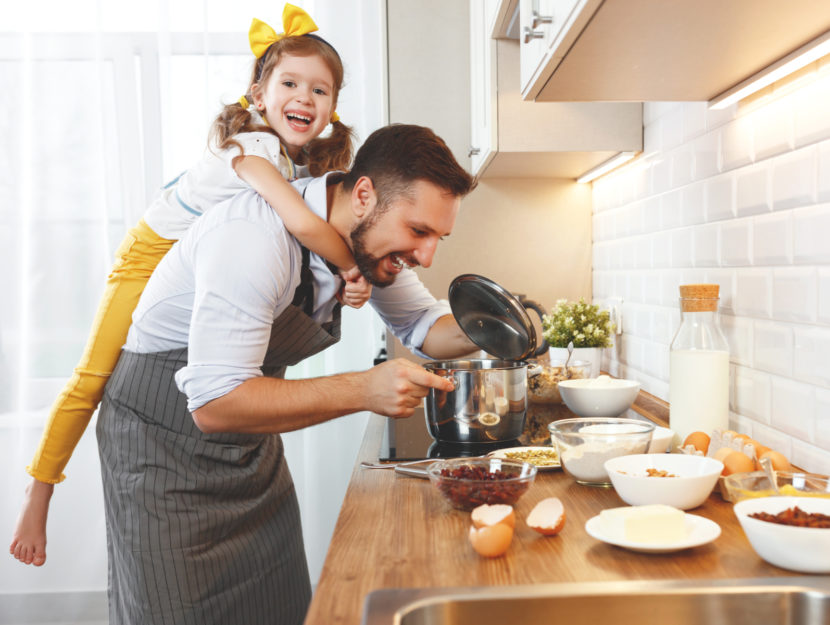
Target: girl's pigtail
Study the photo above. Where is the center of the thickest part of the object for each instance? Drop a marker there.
(233, 119)
(332, 153)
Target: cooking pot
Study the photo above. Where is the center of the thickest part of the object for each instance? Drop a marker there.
(489, 401)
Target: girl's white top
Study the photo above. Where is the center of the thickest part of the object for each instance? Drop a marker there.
(211, 181)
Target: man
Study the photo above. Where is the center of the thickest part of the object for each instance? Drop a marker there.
(202, 519)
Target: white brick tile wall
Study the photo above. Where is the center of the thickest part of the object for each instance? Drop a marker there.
(735, 239)
(811, 345)
(823, 183)
(752, 190)
(752, 394)
(793, 408)
(753, 291)
(824, 295)
(794, 294)
(705, 245)
(811, 235)
(794, 178)
(772, 348)
(773, 129)
(772, 239)
(739, 197)
(719, 198)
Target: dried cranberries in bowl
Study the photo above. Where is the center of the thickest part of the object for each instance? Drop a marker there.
(470, 483)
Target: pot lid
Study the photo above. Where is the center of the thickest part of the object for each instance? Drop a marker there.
(492, 317)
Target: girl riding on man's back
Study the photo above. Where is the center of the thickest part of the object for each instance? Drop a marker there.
(269, 137)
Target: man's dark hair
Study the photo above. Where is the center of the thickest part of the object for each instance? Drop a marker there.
(395, 156)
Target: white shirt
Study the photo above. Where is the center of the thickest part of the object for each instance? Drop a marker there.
(219, 289)
(211, 181)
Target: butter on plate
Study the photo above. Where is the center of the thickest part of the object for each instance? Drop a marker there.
(654, 524)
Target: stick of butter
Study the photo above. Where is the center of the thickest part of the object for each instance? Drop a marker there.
(655, 524)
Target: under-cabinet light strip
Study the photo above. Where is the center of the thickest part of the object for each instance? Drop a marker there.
(604, 168)
(793, 62)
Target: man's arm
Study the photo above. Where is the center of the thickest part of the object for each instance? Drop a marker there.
(446, 340)
(261, 405)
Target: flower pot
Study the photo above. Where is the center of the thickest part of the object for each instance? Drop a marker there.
(590, 354)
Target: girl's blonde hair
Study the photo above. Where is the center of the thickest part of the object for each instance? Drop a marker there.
(322, 154)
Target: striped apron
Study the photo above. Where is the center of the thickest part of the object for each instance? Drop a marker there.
(202, 528)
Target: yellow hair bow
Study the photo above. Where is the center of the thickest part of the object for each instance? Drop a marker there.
(295, 22)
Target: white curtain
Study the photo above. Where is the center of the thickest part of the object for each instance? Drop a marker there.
(103, 101)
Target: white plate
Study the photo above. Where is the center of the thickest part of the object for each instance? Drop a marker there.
(502, 453)
(701, 531)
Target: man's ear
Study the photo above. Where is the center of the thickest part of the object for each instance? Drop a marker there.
(364, 196)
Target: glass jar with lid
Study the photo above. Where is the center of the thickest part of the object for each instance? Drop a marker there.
(698, 365)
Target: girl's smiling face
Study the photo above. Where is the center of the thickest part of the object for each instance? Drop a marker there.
(297, 100)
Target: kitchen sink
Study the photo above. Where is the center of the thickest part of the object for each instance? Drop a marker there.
(771, 601)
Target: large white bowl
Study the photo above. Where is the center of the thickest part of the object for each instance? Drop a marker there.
(661, 438)
(696, 477)
(802, 549)
(599, 397)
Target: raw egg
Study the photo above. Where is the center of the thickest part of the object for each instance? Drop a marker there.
(491, 514)
(698, 440)
(547, 516)
(721, 453)
(491, 541)
(779, 461)
(736, 462)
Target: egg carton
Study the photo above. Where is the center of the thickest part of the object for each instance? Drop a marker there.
(718, 439)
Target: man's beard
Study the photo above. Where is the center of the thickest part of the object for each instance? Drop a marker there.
(366, 263)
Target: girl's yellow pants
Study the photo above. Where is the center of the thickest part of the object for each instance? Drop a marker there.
(136, 258)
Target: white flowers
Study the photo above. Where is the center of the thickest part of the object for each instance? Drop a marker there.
(580, 322)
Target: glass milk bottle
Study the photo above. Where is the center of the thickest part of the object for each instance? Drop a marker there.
(698, 365)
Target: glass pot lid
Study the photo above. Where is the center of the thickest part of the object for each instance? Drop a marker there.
(492, 317)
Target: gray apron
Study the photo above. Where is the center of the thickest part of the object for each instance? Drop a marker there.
(202, 528)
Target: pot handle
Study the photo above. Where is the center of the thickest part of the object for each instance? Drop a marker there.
(530, 304)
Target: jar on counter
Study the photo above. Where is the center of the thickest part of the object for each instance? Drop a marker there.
(698, 365)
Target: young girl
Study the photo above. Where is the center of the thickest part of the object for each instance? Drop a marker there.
(269, 136)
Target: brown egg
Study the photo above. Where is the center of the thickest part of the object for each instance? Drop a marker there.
(491, 541)
(760, 450)
(698, 440)
(737, 462)
(779, 461)
(547, 516)
(491, 514)
(721, 453)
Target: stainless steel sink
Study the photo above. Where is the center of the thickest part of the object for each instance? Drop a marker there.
(772, 601)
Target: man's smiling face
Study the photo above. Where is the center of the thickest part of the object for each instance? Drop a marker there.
(403, 234)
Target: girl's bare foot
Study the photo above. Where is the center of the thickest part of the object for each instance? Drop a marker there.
(29, 540)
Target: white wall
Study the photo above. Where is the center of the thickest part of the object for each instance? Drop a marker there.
(742, 198)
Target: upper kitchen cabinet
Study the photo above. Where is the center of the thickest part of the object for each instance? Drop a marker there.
(513, 138)
(654, 50)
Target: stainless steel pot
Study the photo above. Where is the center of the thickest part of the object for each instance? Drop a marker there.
(488, 405)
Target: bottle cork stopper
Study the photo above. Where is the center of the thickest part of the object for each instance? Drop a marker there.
(699, 297)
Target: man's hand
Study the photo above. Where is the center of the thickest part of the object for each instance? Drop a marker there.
(399, 386)
(356, 291)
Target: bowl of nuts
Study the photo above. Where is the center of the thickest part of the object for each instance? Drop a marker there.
(467, 483)
(543, 387)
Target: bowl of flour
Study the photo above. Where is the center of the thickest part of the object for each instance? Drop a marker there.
(585, 444)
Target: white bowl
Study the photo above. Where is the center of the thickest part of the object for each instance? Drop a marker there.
(802, 549)
(599, 397)
(696, 476)
(661, 438)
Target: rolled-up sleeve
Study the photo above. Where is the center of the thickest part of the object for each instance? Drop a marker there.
(409, 310)
(242, 273)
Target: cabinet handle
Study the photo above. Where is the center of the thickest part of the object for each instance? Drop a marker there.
(473, 152)
(532, 34)
(540, 19)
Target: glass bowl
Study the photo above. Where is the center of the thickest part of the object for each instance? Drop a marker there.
(740, 486)
(585, 444)
(543, 388)
(467, 483)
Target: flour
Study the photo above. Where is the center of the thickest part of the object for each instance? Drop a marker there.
(586, 462)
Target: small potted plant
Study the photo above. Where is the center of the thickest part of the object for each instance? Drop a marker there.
(589, 328)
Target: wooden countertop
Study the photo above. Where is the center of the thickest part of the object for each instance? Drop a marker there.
(395, 531)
